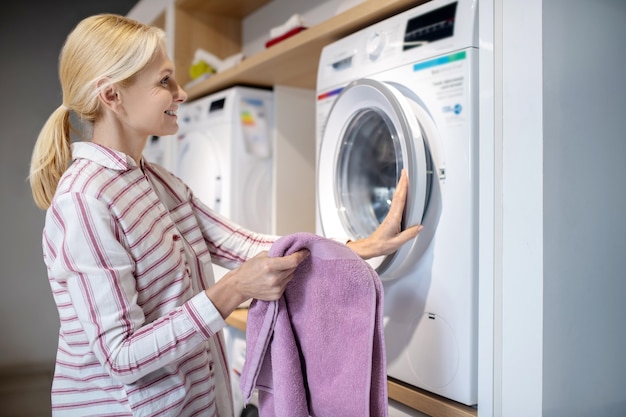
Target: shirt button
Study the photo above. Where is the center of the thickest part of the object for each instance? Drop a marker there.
(176, 238)
(188, 271)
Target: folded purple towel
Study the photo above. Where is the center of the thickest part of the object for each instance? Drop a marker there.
(319, 350)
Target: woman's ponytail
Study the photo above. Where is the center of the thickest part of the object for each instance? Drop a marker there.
(51, 156)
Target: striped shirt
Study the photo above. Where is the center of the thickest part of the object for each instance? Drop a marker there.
(128, 253)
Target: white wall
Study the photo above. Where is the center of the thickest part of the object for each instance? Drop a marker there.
(584, 367)
(519, 253)
(556, 303)
(148, 11)
(294, 171)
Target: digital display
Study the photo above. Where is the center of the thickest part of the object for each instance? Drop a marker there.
(217, 105)
(343, 63)
(430, 27)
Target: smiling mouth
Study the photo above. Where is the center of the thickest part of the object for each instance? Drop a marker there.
(170, 112)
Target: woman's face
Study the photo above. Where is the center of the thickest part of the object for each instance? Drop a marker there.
(150, 101)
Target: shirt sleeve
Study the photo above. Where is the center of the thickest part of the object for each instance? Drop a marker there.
(86, 258)
(229, 244)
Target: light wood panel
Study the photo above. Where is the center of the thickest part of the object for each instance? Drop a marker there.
(426, 402)
(218, 35)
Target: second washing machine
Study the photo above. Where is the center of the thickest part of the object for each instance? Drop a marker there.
(402, 94)
(224, 153)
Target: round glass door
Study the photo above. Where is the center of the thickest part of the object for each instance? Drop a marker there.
(368, 165)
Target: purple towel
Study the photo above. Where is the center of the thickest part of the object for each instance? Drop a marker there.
(319, 350)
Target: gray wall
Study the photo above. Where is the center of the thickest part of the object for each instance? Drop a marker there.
(31, 34)
(584, 364)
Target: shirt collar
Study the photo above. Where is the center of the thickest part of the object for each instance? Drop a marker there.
(107, 157)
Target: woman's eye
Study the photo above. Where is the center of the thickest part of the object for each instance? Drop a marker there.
(165, 81)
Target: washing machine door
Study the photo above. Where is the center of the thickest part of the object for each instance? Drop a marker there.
(371, 134)
(199, 166)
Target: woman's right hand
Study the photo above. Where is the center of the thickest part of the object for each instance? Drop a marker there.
(261, 277)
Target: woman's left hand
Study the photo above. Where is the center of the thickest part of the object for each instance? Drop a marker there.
(389, 236)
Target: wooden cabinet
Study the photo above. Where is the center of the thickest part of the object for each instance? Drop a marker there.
(213, 25)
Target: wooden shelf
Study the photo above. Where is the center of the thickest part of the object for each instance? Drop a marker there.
(293, 62)
(418, 399)
(427, 402)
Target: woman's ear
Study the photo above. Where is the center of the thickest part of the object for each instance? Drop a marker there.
(108, 94)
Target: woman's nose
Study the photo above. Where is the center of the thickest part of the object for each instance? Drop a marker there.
(181, 95)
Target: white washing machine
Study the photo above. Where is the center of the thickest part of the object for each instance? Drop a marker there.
(402, 93)
(161, 150)
(224, 153)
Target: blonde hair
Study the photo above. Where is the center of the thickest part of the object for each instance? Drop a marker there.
(105, 47)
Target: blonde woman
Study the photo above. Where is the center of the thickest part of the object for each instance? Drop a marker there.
(127, 246)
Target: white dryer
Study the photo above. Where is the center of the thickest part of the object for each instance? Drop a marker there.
(224, 153)
(402, 93)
